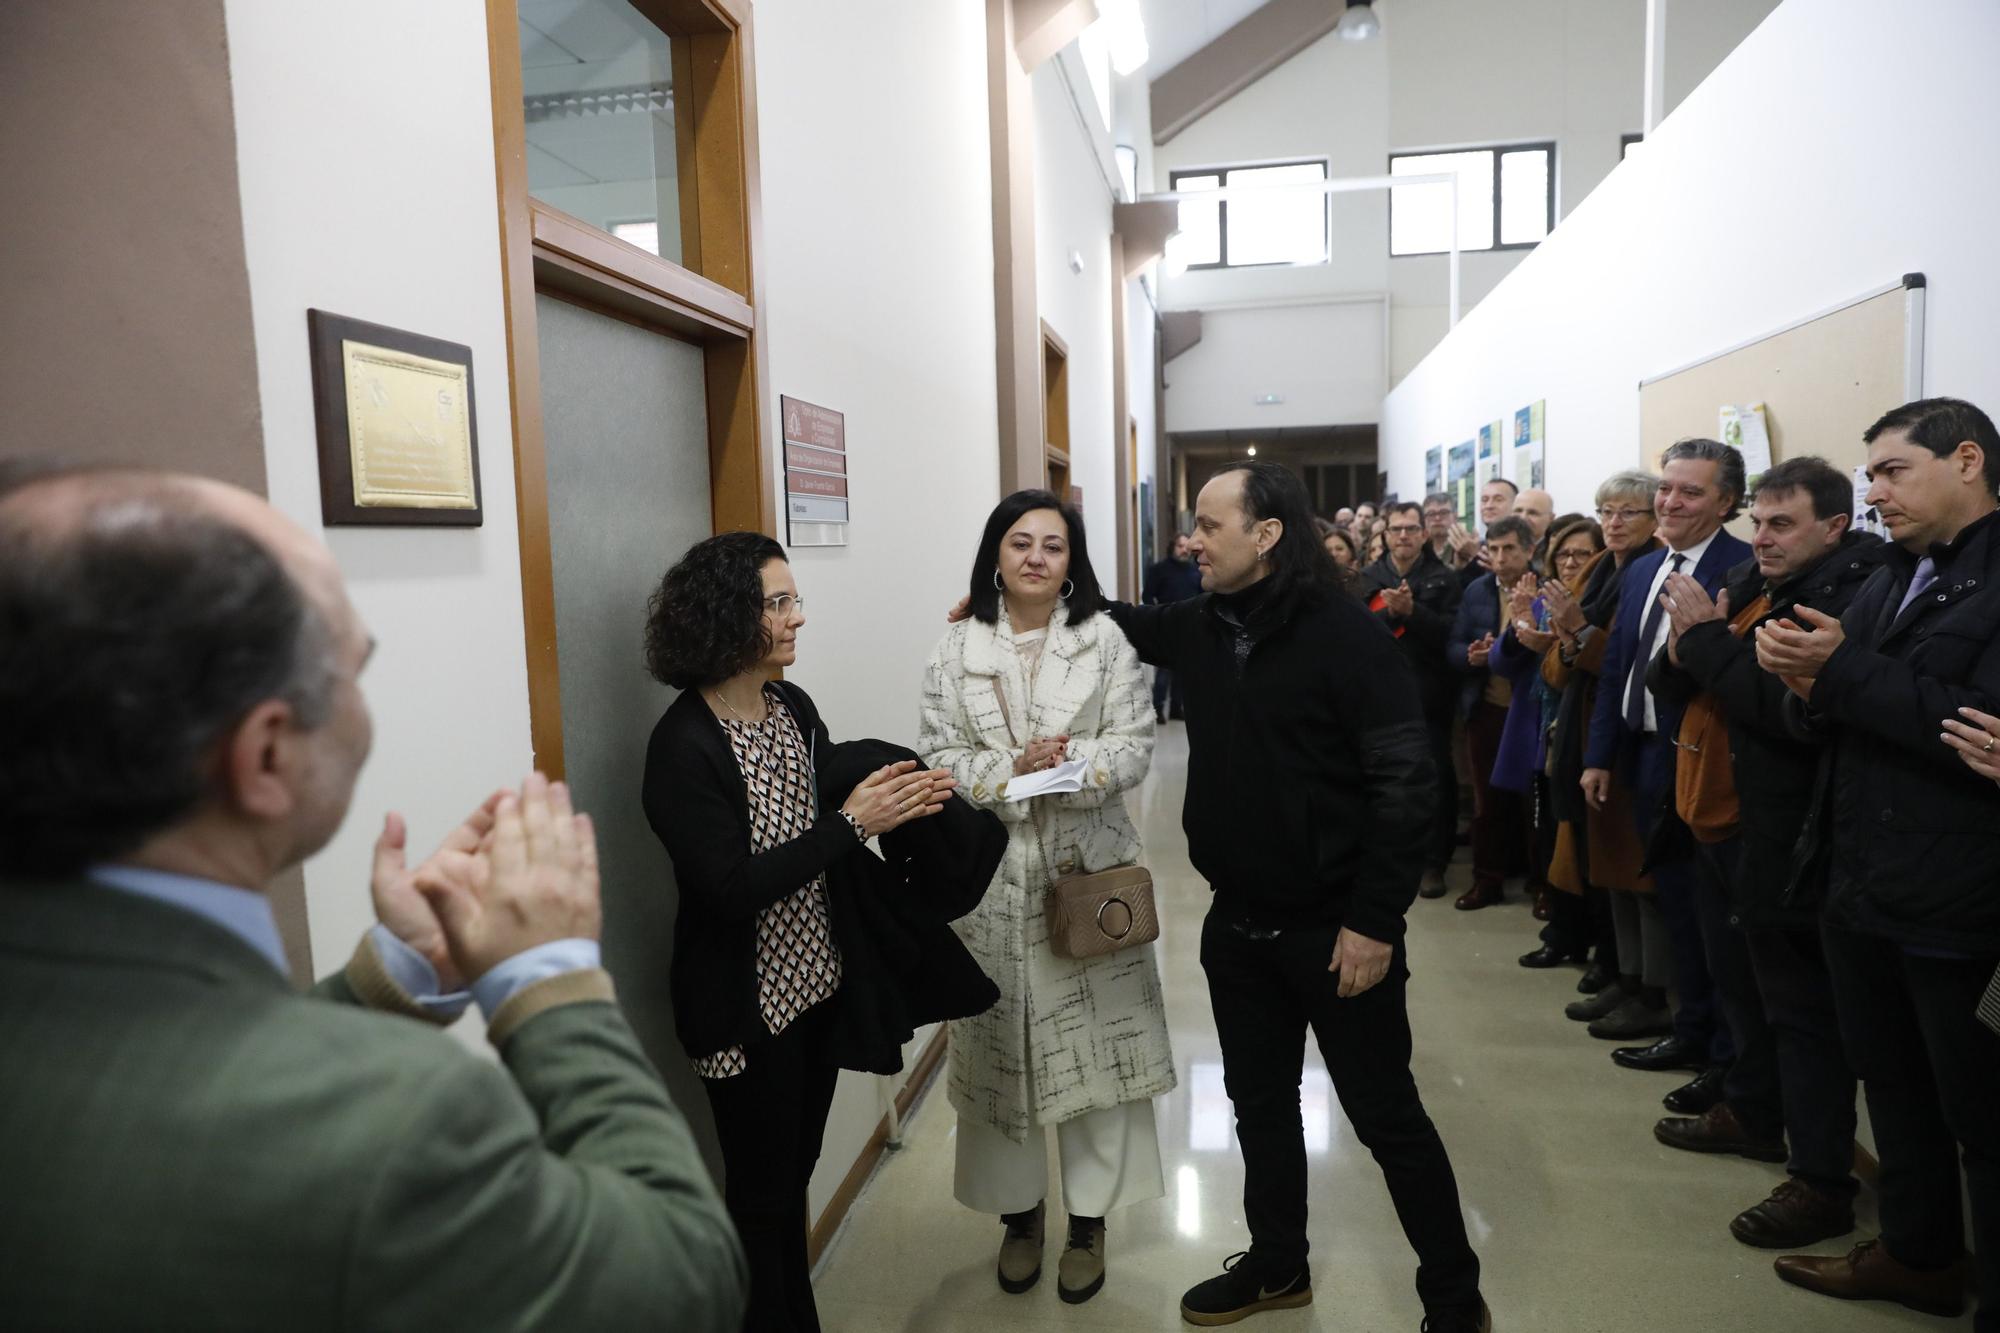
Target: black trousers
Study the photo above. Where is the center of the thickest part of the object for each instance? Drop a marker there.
(1817, 1082)
(1266, 993)
(1695, 1019)
(770, 1119)
(1165, 688)
(1751, 1087)
(1444, 820)
(1932, 1075)
(1577, 921)
(1499, 816)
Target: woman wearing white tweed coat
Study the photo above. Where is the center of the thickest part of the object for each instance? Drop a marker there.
(1033, 678)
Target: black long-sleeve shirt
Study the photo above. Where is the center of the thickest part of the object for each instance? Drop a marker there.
(1309, 774)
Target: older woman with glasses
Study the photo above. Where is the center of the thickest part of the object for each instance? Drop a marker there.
(1597, 855)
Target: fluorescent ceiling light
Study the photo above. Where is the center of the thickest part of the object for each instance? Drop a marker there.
(1124, 31)
(1359, 23)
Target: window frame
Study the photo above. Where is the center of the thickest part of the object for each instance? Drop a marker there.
(1625, 142)
(1498, 150)
(1325, 165)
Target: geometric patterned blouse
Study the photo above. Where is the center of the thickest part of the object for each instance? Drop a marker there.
(798, 964)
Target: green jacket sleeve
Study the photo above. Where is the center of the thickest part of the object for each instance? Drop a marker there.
(572, 1197)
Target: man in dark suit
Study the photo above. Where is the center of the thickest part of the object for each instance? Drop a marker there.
(1174, 579)
(1910, 836)
(1499, 816)
(184, 1138)
(1701, 488)
(1791, 1078)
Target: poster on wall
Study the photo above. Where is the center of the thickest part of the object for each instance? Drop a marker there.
(1148, 553)
(1530, 441)
(1489, 452)
(1459, 482)
(1434, 470)
(816, 499)
(1746, 428)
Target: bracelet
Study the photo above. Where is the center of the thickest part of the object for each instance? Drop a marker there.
(855, 824)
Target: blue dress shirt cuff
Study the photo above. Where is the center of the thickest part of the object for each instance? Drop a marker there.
(414, 973)
(526, 968)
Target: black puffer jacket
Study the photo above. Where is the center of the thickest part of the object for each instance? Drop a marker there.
(1914, 834)
(1309, 775)
(1775, 769)
(1435, 594)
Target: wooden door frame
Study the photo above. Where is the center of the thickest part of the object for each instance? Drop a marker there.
(709, 300)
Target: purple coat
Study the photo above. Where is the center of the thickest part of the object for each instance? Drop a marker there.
(1521, 740)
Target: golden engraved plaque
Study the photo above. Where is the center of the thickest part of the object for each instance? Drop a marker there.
(397, 428)
(409, 429)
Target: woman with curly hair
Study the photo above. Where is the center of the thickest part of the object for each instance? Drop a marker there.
(1032, 678)
(731, 789)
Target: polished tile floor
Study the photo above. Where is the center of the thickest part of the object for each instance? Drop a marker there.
(1582, 1221)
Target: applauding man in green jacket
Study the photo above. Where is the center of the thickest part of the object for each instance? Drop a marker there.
(187, 1141)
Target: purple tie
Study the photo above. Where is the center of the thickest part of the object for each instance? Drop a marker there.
(1925, 576)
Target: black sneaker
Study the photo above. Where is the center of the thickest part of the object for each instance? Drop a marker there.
(1459, 1319)
(1240, 1292)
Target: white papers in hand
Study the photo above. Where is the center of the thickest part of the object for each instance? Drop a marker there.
(1049, 781)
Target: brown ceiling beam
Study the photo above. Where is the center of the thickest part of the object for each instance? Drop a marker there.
(1044, 27)
(1271, 35)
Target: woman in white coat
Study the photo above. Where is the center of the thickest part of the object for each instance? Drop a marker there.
(1033, 678)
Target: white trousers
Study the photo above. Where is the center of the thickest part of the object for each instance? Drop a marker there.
(1109, 1158)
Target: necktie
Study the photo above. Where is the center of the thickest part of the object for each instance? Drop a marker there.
(1925, 576)
(1635, 685)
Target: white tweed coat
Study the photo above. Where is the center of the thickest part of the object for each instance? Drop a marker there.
(1085, 1034)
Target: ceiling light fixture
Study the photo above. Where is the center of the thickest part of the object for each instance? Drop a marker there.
(1124, 34)
(1359, 23)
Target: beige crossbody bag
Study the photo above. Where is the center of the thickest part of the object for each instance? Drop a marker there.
(1097, 912)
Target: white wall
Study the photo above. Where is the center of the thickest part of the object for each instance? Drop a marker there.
(348, 210)
(1330, 101)
(1323, 359)
(1463, 72)
(876, 299)
(1804, 172)
(1445, 73)
(1073, 215)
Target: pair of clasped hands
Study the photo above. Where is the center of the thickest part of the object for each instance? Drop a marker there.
(521, 870)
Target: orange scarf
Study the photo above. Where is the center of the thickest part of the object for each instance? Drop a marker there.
(1704, 784)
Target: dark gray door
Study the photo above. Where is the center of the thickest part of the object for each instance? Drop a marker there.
(625, 421)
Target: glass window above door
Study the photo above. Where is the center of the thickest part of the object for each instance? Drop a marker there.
(597, 88)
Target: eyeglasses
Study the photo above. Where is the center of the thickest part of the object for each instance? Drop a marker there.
(1407, 529)
(781, 605)
(1622, 515)
(1573, 557)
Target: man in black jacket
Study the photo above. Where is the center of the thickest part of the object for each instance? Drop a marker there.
(1912, 919)
(1416, 595)
(1764, 949)
(1309, 790)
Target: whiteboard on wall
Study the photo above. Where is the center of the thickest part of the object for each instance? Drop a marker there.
(1823, 380)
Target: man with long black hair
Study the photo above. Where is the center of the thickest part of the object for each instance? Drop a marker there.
(1309, 792)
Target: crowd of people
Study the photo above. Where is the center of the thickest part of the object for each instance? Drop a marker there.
(1752, 786)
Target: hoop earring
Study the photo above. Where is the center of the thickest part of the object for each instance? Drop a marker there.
(999, 585)
(1069, 586)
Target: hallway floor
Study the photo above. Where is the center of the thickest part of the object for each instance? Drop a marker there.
(1582, 1221)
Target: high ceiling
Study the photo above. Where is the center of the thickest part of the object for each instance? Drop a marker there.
(1176, 29)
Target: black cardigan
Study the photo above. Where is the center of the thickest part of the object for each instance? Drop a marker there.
(900, 965)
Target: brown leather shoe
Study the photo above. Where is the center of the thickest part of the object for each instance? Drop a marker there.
(1868, 1273)
(1718, 1130)
(1478, 896)
(1796, 1214)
